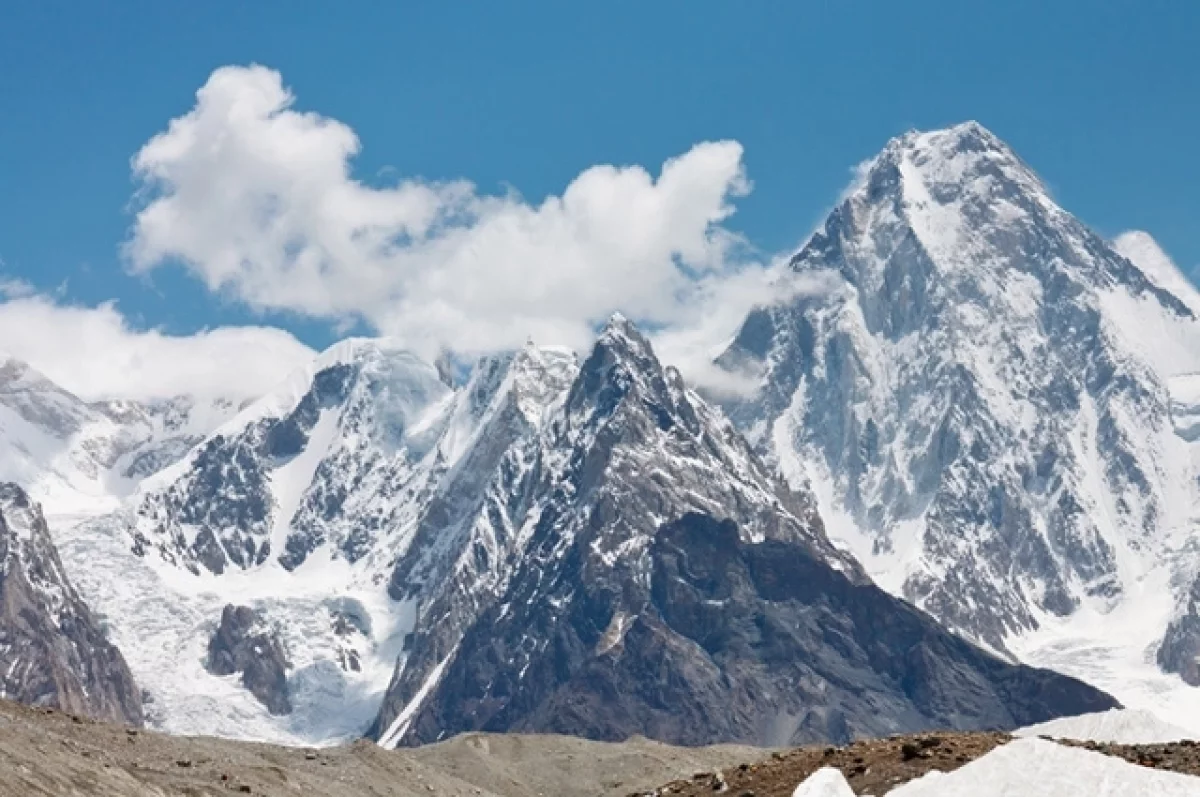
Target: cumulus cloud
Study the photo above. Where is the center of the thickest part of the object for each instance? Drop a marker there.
(94, 353)
(257, 199)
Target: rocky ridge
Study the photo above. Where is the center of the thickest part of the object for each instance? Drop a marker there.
(53, 650)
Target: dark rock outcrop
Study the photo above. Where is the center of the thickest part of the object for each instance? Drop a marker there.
(244, 643)
(52, 649)
(756, 643)
(1180, 649)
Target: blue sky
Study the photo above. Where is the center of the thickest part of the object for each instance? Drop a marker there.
(1100, 98)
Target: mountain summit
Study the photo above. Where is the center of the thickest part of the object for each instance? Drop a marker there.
(989, 405)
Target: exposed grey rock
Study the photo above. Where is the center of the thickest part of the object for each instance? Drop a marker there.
(244, 643)
(1180, 648)
(52, 649)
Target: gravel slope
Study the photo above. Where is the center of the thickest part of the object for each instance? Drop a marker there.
(45, 753)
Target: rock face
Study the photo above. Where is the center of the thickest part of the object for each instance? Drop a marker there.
(52, 649)
(986, 397)
(1180, 649)
(244, 643)
(325, 466)
(655, 579)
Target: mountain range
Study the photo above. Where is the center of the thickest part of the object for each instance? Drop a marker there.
(975, 451)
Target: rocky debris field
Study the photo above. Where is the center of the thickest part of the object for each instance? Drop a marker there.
(875, 767)
(46, 753)
(872, 767)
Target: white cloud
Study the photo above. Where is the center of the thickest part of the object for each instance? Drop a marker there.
(15, 288)
(257, 200)
(94, 353)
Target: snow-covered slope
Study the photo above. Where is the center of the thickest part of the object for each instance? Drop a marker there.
(825, 782)
(1118, 726)
(996, 409)
(84, 458)
(1145, 253)
(303, 507)
(321, 464)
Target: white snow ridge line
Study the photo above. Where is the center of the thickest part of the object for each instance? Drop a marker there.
(399, 726)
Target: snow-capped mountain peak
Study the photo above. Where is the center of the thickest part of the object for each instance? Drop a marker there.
(988, 408)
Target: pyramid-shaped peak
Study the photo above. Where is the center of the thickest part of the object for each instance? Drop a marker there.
(968, 137)
(965, 169)
(621, 362)
(619, 323)
(622, 334)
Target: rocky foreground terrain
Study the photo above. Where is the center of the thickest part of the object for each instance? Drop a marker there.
(875, 767)
(45, 752)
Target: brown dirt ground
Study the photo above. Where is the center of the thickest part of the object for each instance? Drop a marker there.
(50, 754)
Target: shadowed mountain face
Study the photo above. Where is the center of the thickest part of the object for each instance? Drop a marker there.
(760, 643)
(52, 650)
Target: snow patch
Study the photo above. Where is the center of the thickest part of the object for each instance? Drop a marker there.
(399, 726)
(1115, 726)
(1039, 768)
(826, 782)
